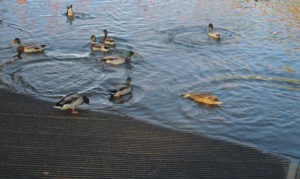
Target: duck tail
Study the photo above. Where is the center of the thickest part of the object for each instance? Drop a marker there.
(112, 95)
(57, 106)
(43, 46)
(112, 91)
(186, 95)
(219, 103)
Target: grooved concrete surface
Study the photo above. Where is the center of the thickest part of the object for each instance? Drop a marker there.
(37, 141)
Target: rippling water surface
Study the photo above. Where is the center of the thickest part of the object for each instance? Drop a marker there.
(254, 69)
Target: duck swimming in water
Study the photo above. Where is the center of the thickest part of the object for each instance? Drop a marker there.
(118, 60)
(107, 40)
(204, 98)
(70, 12)
(99, 47)
(211, 32)
(122, 90)
(71, 101)
(27, 48)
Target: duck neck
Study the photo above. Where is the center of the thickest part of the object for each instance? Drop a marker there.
(128, 58)
(105, 36)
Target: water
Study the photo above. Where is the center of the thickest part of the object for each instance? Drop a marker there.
(254, 69)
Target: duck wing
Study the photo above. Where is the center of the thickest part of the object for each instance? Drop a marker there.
(34, 48)
(68, 99)
(210, 99)
(113, 91)
(110, 58)
(120, 89)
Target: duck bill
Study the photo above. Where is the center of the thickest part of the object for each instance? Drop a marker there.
(13, 43)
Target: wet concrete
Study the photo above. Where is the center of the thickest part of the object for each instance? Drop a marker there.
(37, 141)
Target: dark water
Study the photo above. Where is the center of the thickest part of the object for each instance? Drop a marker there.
(254, 69)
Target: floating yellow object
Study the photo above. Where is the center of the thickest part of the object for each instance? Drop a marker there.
(204, 98)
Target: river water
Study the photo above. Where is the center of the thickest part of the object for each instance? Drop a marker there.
(254, 70)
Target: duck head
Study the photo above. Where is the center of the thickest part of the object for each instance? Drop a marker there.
(128, 80)
(210, 27)
(16, 40)
(93, 38)
(86, 100)
(105, 33)
(129, 54)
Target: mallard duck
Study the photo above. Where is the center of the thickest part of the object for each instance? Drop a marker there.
(204, 98)
(99, 47)
(107, 40)
(118, 60)
(71, 101)
(70, 12)
(122, 90)
(211, 32)
(27, 48)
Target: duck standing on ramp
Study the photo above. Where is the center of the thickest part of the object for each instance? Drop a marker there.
(71, 101)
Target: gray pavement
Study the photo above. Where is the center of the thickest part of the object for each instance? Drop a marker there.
(37, 141)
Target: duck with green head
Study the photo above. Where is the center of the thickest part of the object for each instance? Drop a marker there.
(99, 47)
(107, 40)
(122, 90)
(212, 33)
(114, 60)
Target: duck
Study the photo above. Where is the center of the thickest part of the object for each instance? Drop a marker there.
(203, 98)
(71, 101)
(114, 60)
(211, 32)
(107, 40)
(122, 90)
(99, 47)
(27, 48)
(70, 12)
